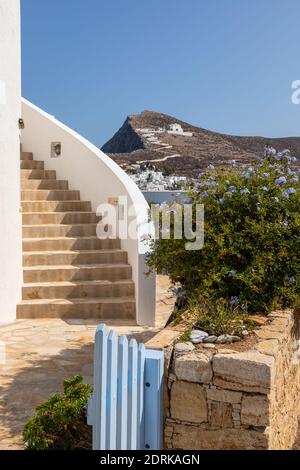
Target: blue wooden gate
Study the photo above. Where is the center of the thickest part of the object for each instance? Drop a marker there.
(126, 408)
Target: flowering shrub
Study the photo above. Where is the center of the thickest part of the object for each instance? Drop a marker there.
(251, 252)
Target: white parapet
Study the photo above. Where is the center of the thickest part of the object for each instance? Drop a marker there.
(100, 180)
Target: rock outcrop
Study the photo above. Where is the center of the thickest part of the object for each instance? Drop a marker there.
(178, 148)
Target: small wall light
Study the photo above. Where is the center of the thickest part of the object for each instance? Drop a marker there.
(21, 124)
(55, 149)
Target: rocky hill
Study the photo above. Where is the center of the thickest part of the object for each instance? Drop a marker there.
(178, 148)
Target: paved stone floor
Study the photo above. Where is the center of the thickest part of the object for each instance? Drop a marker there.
(41, 353)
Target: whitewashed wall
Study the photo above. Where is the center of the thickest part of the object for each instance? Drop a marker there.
(98, 178)
(10, 110)
(159, 197)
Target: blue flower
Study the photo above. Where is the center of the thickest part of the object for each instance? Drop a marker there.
(205, 184)
(234, 300)
(280, 180)
(290, 279)
(232, 274)
(232, 189)
(286, 222)
(247, 175)
(211, 167)
(245, 191)
(269, 151)
(288, 192)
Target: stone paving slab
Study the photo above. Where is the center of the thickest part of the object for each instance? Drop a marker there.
(41, 353)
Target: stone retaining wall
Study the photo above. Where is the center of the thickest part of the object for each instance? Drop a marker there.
(236, 400)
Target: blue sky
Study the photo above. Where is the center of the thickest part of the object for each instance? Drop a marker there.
(225, 65)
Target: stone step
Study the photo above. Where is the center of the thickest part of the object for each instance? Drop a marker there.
(43, 184)
(115, 256)
(68, 272)
(48, 231)
(65, 244)
(49, 195)
(26, 156)
(56, 206)
(103, 308)
(38, 174)
(88, 272)
(77, 289)
(54, 218)
(31, 165)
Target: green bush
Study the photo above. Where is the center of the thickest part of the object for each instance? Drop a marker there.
(60, 422)
(251, 252)
(219, 317)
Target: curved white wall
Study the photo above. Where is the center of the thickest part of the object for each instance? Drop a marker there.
(10, 111)
(98, 178)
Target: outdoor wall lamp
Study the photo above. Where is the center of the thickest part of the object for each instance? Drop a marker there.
(55, 149)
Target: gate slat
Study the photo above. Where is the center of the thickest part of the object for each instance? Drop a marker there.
(132, 396)
(100, 373)
(153, 406)
(122, 393)
(111, 390)
(140, 397)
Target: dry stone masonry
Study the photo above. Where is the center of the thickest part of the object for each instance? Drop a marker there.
(228, 399)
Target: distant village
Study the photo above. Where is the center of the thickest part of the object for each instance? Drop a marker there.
(147, 178)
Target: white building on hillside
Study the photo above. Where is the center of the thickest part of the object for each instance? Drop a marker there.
(176, 129)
